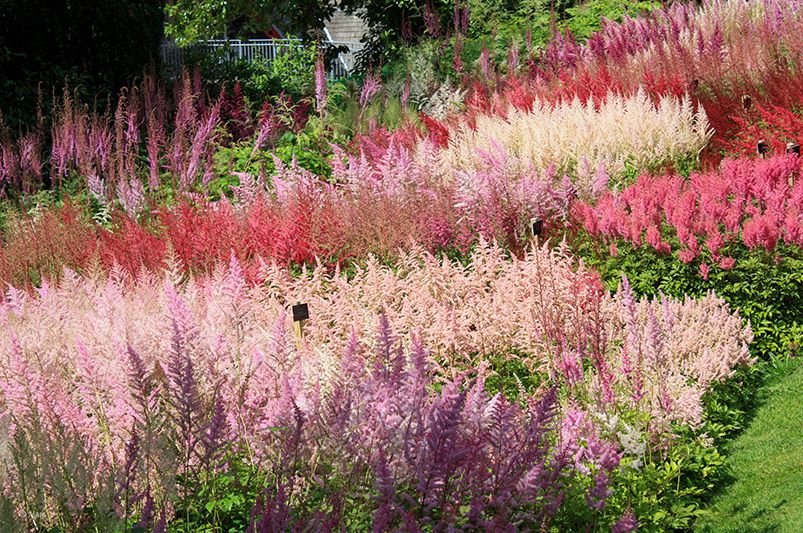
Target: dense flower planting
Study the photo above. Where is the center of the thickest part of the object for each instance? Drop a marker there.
(726, 54)
(460, 368)
(110, 388)
(179, 140)
(756, 203)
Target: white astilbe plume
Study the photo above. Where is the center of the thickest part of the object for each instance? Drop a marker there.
(622, 132)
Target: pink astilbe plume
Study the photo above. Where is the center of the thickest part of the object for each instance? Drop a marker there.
(373, 408)
(320, 85)
(753, 202)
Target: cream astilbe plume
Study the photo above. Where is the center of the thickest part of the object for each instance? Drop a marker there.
(621, 132)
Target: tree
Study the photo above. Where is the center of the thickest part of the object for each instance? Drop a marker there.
(190, 21)
(98, 45)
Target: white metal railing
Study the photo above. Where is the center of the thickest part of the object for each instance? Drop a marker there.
(253, 50)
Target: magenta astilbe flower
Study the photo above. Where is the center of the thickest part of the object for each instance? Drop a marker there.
(216, 433)
(405, 94)
(155, 144)
(626, 524)
(599, 493)
(704, 270)
(457, 58)
(512, 59)
(370, 87)
(570, 364)
(200, 148)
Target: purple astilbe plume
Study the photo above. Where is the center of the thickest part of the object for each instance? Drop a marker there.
(320, 85)
(457, 57)
(123, 496)
(197, 90)
(458, 19)
(141, 388)
(271, 514)
(201, 147)
(216, 433)
(485, 64)
(512, 59)
(390, 359)
(133, 121)
(146, 515)
(599, 493)
(268, 124)
(538, 476)
(442, 451)
(570, 363)
(161, 524)
(431, 20)
(464, 18)
(100, 139)
(183, 385)
(235, 114)
(156, 138)
(717, 42)
(626, 524)
(119, 156)
(386, 494)
(30, 160)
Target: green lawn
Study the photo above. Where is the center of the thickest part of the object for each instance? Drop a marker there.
(767, 464)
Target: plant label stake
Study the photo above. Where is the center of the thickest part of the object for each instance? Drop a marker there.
(536, 226)
(762, 148)
(747, 101)
(792, 148)
(300, 315)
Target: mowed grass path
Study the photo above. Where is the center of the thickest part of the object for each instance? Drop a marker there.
(767, 464)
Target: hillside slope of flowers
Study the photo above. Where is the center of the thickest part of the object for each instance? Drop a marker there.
(542, 305)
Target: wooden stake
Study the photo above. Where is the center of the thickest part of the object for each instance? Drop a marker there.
(300, 315)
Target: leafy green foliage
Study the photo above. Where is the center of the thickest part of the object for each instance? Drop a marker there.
(221, 502)
(291, 73)
(190, 21)
(584, 18)
(309, 148)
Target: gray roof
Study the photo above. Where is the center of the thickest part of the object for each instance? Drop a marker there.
(346, 28)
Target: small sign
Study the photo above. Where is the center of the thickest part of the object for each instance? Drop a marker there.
(762, 148)
(536, 226)
(793, 148)
(747, 102)
(300, 312)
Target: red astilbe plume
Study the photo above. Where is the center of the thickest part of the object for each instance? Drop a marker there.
(437, 131)
(234, 113)
(131, 247)
(41, 247)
